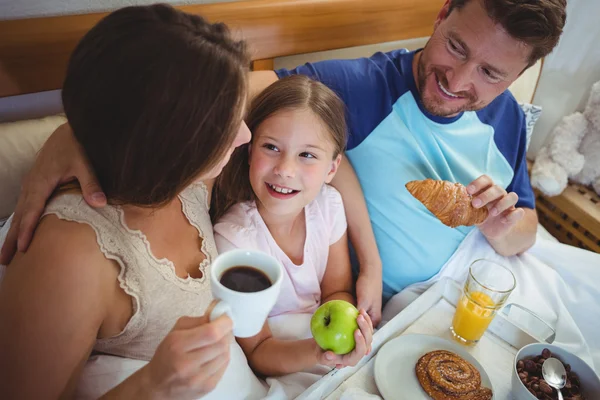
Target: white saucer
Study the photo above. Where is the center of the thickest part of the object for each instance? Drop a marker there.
(395, 365)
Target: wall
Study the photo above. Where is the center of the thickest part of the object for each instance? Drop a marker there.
(16, 9)
(570, 70)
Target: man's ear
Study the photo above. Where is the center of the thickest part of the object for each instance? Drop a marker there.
(442, 15)
(335, 164)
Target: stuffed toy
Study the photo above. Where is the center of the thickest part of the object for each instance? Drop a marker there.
(572, 151)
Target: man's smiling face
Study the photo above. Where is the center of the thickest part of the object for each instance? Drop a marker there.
(468, 61)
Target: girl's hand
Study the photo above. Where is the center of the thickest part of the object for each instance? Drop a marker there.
(190, 360)
(363, 337)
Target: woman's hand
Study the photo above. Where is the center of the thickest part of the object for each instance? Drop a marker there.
(363, 337)
(60, 160)
(190, 360)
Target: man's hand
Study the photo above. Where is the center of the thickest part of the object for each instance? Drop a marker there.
(60, 160)
(368, 293)
(503, 216)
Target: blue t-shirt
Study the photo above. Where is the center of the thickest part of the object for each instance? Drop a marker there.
(394, 140)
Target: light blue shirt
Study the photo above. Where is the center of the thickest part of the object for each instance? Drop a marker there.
(394, 140)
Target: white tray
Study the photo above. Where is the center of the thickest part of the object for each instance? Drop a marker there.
(432, 314)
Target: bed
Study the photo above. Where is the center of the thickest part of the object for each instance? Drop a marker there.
(281, 33)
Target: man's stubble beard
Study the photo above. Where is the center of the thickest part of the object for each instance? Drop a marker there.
(436, 106)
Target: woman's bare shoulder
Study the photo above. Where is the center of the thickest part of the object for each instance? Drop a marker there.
(56, 296)
(67, 248)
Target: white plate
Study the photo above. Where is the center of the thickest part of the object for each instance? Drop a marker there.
(395, 365)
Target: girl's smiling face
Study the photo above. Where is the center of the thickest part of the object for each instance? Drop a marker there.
(291, 157)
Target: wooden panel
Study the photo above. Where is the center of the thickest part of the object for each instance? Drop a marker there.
(34, 52)
(266, 64)
(573, 217)
(582, 204)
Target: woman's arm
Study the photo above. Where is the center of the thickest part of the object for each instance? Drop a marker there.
(369, 283)
(53, 300)
(259, 81)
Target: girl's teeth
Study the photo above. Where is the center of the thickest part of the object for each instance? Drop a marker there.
(281, 190)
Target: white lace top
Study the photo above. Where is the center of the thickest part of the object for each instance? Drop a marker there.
(159, 296)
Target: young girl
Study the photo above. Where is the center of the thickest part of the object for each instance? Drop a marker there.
(273, 196)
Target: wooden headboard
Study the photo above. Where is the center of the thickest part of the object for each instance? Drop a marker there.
(34, 52)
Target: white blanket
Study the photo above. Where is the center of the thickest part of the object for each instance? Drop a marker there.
(104, 372)
(560, 283)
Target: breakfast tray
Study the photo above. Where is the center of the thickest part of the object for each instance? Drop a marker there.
(431, 314)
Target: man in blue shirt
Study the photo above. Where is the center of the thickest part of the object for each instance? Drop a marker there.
(442, 112)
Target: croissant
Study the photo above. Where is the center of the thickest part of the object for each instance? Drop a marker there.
(448, 201)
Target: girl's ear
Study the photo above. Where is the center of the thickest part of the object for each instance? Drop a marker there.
(334, 167)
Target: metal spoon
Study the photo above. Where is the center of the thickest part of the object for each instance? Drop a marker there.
(554, 374)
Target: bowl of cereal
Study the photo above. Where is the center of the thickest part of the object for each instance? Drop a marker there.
(528, 383)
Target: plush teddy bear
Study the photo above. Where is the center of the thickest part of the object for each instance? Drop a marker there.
(572, 152)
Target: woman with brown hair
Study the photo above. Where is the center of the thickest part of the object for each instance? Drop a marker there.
(132, 279)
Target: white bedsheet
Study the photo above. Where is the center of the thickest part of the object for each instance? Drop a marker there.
(560, 283)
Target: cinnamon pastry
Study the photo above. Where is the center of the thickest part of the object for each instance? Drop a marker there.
(446, 376)
(448, 201)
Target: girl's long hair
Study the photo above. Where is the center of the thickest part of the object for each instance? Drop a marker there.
(296, 92)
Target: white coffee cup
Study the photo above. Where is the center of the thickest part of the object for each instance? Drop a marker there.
(247, 310)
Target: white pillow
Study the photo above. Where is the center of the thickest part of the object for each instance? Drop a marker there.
(19, 143)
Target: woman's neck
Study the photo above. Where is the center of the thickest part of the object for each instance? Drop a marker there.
(144, 216)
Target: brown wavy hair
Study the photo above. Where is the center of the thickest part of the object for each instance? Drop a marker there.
(537, 23)
(155, 96)
(295, 92)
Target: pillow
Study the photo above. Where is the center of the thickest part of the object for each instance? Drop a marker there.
(532, 114)
(524, 87)
(19, 143)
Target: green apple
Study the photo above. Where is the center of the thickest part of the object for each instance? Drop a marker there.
(333, 325)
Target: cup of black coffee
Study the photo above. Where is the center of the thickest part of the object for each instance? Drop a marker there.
(246, 284)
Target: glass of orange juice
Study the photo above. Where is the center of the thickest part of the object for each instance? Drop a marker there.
(486, 290)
